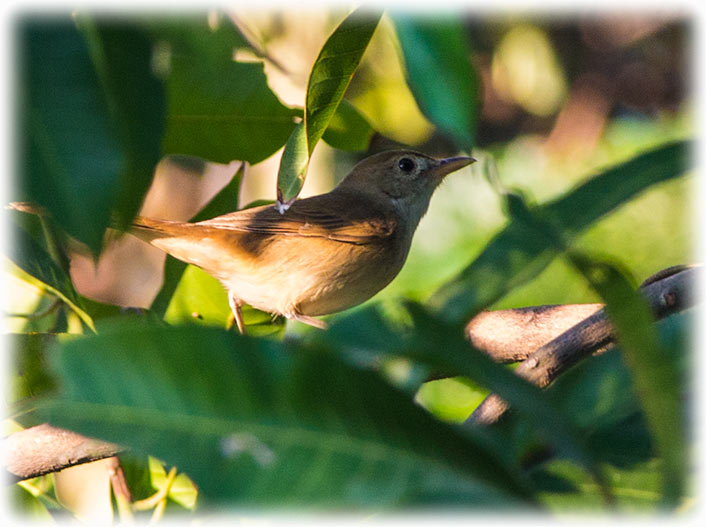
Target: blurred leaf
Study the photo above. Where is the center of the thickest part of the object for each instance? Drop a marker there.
(459, 358)
(201, 299)
(329, 78)
(524, 248)
(219, 109)
(253, 423)
(657, 382)
(182, 490)
(565, 489)
(122, 55)
(222, 203)
(348, 129)
(70, 157)
(444, 83)
(30, 372)
(198, 298)
(36, 267)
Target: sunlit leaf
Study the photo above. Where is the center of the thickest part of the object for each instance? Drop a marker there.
(33, 264)
(444, 83)
(292, 168)
(523, 248)
(201, 299)
(253, 423)
(328, 81)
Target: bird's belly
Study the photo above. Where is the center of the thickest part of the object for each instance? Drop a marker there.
(317, 283)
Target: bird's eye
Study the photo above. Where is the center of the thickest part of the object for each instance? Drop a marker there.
(406, 164)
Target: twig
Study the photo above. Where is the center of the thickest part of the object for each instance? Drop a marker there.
(43, 449)
(121, 491)
(667, 292)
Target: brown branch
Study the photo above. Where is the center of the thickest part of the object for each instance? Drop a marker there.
(667, 292)
(511, 335)
(43, 449)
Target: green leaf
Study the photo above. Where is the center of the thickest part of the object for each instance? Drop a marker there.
(525, 247)
(348, 129)
(70, 152)
(444, 83)
(657, 381)
(182, 490)
(201, 299)
(442, 348)
(30, 371)
(33, 264)
(218, 109)
(328, 81)
(252, 422)
(292, 168)
(122, 56)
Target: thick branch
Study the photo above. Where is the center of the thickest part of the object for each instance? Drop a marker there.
(511, 335)
(43, 449)
(665, 293)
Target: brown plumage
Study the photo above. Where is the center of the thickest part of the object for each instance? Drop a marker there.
(325, 253)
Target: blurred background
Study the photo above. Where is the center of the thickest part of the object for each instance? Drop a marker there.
(562, 97)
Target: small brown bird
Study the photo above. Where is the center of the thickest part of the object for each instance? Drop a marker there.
(324, 254)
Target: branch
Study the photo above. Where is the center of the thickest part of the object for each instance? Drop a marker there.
(43, 449)
(667, 292)
(511, 335)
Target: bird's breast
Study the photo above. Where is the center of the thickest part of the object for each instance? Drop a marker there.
(317, 277)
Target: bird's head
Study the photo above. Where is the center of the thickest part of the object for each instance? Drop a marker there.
(404, 177)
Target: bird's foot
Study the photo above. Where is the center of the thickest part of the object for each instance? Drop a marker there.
(236, 307)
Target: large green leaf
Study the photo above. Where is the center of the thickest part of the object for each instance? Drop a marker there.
(218, 109)
(122, 55)
(528, 243)
(439, 71)
(442, 348)
(328, 81)
(253, 423)
(70, 152)
(657, 381)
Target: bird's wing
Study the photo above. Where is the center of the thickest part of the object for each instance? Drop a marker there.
(350, 220)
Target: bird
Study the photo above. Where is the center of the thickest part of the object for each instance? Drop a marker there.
(322, 255)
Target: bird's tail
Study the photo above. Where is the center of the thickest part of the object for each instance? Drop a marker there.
(148, 229)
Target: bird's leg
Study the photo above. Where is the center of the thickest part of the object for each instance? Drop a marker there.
(235, 306)
(310, 321)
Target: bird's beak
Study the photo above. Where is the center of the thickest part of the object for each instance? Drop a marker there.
(451, 164)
